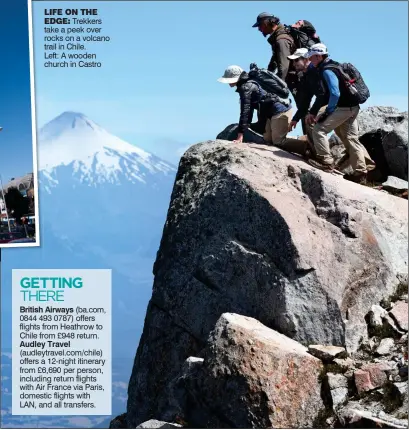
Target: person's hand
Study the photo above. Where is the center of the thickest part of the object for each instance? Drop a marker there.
(239, 138)
(323, 117)
(292, 125)
(310, 119)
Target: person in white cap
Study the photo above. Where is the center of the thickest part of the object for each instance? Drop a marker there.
(308, 85)
(276, 114)
(340, 116)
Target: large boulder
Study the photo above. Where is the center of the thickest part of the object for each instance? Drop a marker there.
(253, 377)
(256, 231)
(384, 133)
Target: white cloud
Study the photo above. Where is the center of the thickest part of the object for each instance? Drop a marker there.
(120, 384)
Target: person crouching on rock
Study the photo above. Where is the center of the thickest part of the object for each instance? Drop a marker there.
(271, 108)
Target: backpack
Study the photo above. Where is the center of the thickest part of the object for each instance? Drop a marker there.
(267, 97)
(269, 81)
(353, 81)
(303, 37)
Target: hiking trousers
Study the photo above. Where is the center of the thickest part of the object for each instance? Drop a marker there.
(310, 127)
(345, 124)
(276, 133)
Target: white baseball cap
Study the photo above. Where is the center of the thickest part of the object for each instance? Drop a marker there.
(317, 49)
(300, 52)
(231, 75)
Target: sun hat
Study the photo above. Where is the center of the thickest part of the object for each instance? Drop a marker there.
(263, 15)
(317, 49)
(300, 52)
(231, 75)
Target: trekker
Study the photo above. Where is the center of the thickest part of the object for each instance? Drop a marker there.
(277, 115)
(340, 116)
(307, 86)
(281, 43)
(304, 34)
(284, 41)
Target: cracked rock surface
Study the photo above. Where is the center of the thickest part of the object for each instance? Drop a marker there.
(254, 230)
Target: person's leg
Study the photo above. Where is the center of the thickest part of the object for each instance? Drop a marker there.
(348, 132)
(279, 130)
(279, 127)
(310, 127)
(343, 162)
(267, 133)
(321, 130)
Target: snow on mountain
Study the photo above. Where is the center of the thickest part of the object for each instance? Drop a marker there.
(101, 191)
(94, 155)
(102, 204)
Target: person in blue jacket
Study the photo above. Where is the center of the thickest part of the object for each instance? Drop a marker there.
(340, 116)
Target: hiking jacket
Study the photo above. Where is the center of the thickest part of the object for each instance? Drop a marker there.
(338, 94)
(282, 45)
(309, 85)
(251, 99)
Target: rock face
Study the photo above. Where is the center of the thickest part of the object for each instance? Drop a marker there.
(395, 184)
(155, 424)
(254, 377)
(400, 314)
(256, 231)
(370, 377)
(338, 386)
(327, 353)
(384, 133)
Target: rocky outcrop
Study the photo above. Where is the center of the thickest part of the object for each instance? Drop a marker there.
(255, 231)
(394, 184)
(155, 424)
(250, 376)
(384, 132)
(253, 377)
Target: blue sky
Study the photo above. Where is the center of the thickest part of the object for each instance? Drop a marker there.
(157, 88)
(16, 154)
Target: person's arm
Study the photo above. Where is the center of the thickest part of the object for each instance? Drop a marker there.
(321, 95)
(332, 82)
(283, 50)
(272, 65)
(304, 98)
(246, 111)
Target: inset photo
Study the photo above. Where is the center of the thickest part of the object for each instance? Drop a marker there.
(18, 157)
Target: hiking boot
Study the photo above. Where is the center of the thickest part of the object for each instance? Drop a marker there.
(358, 178)
(320, 165)
(309, 149)
(343, 160)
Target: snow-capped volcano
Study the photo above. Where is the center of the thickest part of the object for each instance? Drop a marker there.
(95, 155)
(90, 181)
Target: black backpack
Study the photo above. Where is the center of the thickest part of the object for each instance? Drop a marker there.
(269, 81)
(304, 37)
(353, 81)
